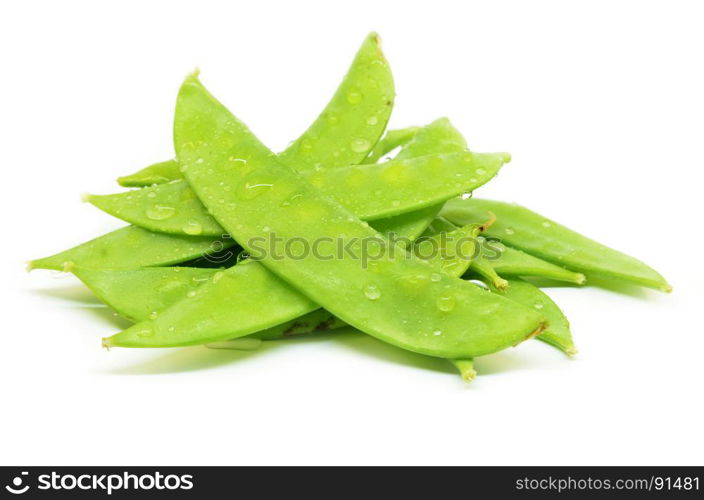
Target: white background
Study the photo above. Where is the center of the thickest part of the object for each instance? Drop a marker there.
(601, 105)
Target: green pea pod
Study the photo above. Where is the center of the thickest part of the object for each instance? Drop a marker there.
(138, 294)
(369, 75)
(371, 191)
(132, 247)
(410, 225)
(142, 294)
(508, 261)
(528, 231)
(391, 140)
(367, 91)
(558, 332)
(248, 199)
(439, 136)
(439, 225)
(157, 173)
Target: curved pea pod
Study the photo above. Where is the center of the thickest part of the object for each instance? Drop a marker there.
(439, 225)
(367, 91)
(409, 225)
(546, 239)
(132, 247)
(450, 252)
(275, 311)
(244, 299)
(558, 332)
(371, 191)
(511, 262)
(138, 294)
(369, 298)
(440, 136)
(391, 140)
(157, 173)
(141, 294)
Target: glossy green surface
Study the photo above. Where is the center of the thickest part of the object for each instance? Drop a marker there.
(507, 261)
(367, 93)
(157, 173)
(132, 247)
(372, 299)
(558, 332)
(391, 140)
(148, 293)
(371, 191)
(531, 232)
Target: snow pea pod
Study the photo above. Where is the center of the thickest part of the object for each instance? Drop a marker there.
(508, 261)
(138, 294)
(558, 332)
(546, 239)
(132, 247)
(367, 91)
(497, 259)
(370, 298)
(157, 173)
(370, 191)
(142, 294)
(391, 140)
(438, 136)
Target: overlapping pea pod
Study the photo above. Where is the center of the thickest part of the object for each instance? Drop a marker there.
(405, 186)
(392, 139)
(544, 238)
(496, 259)
(132, 247)
(141, 294)
(371, 191)
(182, 325)
(250, 200)
(557, 333)
(366, 94)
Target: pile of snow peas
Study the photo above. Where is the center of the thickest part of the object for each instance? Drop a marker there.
(389, 238)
